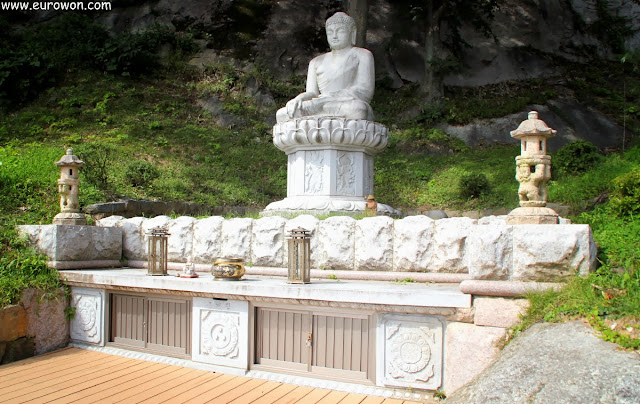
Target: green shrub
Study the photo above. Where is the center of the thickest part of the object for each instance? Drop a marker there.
(625, 198)
(576, 157)
(473, 185)
(141, 173)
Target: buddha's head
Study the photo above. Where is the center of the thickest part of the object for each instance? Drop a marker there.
(341, 31)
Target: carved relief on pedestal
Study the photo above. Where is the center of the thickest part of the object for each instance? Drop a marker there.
(314, 172)
(413, 351)
(346, 174)
(219, 333)
(86, 324)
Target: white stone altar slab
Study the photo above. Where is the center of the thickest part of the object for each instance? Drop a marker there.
(343, 292)
(413, 351)
(87, 324)
(220, 332)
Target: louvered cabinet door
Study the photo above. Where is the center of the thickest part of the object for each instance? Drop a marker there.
(169, 326)
(128, 320)
(283, 338)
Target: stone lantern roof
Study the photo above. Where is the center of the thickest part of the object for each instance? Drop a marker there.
(533, 126)
(70, 160)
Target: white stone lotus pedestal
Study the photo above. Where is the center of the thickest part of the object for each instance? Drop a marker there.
(330, 165)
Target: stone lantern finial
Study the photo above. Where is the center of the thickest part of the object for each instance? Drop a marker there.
(533, 171)
(68, 185)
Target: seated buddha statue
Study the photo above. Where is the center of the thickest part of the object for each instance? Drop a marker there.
(340, 83)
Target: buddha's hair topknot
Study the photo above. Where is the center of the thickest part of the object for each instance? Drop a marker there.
(341, 18)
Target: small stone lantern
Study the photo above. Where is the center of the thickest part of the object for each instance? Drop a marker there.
(533, 171)
(299, 256)
(68, 185)
(157, 259)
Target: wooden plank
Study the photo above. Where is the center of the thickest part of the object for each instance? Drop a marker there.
(19, 370)
(356, 340)
(273, 335)
(35, 360)
(157, 380)
(274, 394)
(239, 391)
(295, 395)
(320, 343)
(152, 373)
(330, 341)
(148, 391)
(114, 384)
(333, 397)
(372, 400)
(211, 395)
(200, 389)
(338, 347)
(59, 387)
(347, 343)
(281, 337)
(353, 399)
(289, 335)
(364, 347)
(256, 393)
(71, 376)
(315, 396)
(177, 391)
(392, 401)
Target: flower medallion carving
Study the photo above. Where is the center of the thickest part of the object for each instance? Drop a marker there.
(85, 325)
(413, 351)
(219, 333)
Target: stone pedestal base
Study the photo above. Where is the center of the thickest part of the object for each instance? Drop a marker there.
(322, 206)
(70, 219)
(532, 215)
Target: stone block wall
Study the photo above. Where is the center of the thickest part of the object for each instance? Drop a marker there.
(484, 248)
(35, 326)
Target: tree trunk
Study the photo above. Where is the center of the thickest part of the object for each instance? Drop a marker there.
(432, 84)
(359, 11)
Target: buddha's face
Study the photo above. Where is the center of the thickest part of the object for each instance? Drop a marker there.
(338, 36)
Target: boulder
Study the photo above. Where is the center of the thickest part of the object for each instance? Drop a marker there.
(235, 238)
(336, 243)
(268, 242)
(374, 244)
(207, 235)
(412, 240)
(46, 320)
(133, 240)
(13, 323)
(556, 363)
(180, 239)
(489, 252)
(448, 253)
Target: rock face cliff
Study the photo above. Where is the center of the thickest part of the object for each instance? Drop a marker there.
(532, 39)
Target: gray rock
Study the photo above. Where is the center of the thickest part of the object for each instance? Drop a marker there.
(556, 363)
(19, 349)
(46, 320)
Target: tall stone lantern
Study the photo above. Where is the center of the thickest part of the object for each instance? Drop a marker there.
(533, 171)
(68, 185)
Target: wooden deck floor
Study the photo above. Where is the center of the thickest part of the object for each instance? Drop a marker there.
(81, 376)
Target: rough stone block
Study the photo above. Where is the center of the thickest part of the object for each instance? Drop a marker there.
(412, 348)
(46, 320)
(180, 239)
(307, 222)
(13, 323)
(110, 221)
(336, 242)
(207, 239)
(498, 311)
(374, 244)
(133, 240)
(75, 243)
(236, 238)
(268, 242)
(489, 252)
(449, 245)
(548, 252)
(412, 240)
(470, 349)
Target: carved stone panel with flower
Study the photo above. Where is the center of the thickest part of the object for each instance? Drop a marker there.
(412, 347)
(87, 322)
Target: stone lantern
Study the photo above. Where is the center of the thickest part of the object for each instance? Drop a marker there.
(68, 185)
(533, 171)
(299, 256)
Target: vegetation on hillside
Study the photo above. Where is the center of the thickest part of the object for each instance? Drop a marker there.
(145, 134)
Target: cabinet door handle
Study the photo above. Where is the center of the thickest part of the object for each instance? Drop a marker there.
(309, 339)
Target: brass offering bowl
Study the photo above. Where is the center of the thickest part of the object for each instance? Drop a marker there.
(228, 269)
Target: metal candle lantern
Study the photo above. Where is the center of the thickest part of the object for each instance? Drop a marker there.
(157, 261)
(299, 256)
